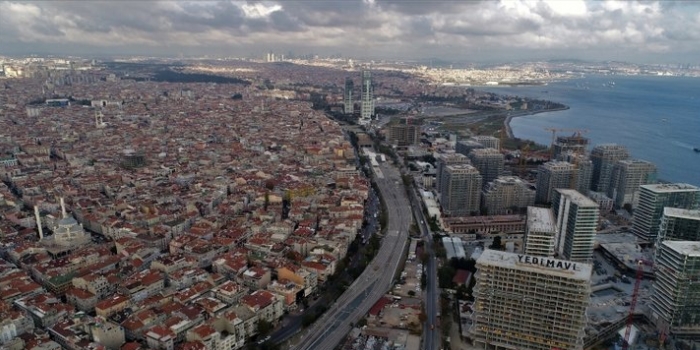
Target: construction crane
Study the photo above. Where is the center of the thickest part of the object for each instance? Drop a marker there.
(577, 132)
(633, 303)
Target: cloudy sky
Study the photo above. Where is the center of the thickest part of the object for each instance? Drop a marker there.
(455, 30)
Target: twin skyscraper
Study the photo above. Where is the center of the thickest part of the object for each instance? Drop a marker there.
(366, 98)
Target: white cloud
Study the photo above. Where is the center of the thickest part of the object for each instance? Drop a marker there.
(568, 7)
(259, 10)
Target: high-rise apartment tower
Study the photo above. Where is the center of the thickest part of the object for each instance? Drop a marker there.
(604, 158)
(652, 201)
(367, 98)
(506, 195)
(540, 232)
(460, 190)
(553, 175)
(577, 221)
(529, 302)
(675, 301)
(627, 176)
(348, 102)
(489, 162)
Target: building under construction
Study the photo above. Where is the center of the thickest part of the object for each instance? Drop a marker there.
(575, 143)
(529, 302)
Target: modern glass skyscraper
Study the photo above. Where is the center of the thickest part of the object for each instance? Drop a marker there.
(367, 98)
(348, 103)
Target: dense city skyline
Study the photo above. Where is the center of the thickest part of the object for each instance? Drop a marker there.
(637, 31)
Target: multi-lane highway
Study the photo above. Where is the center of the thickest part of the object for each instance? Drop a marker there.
(431, 333)
(328, 331)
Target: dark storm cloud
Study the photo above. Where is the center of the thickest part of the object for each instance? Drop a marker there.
(106, 16)
(399, 27)
(283, 22)
(198, 17)
(338, 14)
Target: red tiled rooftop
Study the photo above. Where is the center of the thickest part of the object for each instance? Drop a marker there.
(379, 306)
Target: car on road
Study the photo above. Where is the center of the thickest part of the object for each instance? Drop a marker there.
(262, 341)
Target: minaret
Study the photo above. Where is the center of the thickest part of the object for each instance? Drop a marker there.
(63, 208)
(38, 223)
(99, 122)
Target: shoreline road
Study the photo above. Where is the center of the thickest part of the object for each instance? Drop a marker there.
(329, 330)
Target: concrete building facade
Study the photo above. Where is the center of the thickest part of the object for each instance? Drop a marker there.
(529, 302)
(489, 162)
(442, 160)
(461, 190)
(506, 195)
(628, 175)
(406, 133)
(652, 201)
(466, 146)
(487, 141)
(604, 158)
(577, 222)
(541, 232)
(553, 175)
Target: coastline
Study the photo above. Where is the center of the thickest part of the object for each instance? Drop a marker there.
(506, 122)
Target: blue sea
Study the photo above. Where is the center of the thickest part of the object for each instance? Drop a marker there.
(656, 117)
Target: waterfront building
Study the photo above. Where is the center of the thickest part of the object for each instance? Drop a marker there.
(487, 141)
(604, 158)
(406, 133)
(348, 102)
(575, 144)
(541, 232)
(506, 195)
(584, 170)
(553, 175)
(442, 160)
(653, 199)
(679, 225)
(577, 221)
(461, 189)
(529, 302)
(367, 98)
(489, 161)
(628, 175)
(675, 301)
